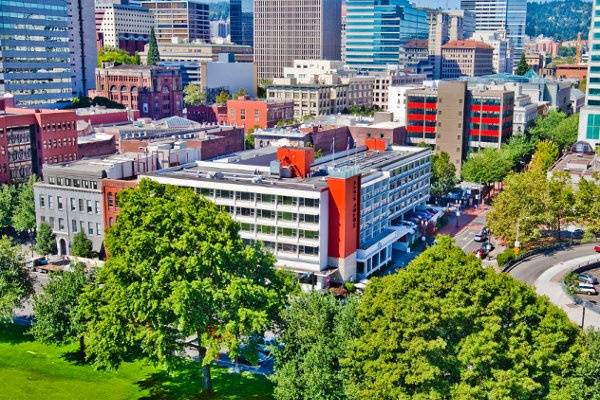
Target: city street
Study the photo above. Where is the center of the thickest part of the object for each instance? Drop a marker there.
(470, 222)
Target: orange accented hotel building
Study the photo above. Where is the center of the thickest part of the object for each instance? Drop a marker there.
(338, 217)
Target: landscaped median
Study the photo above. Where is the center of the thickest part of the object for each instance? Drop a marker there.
(30, 370)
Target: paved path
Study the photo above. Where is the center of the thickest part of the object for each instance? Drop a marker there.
(549, 284)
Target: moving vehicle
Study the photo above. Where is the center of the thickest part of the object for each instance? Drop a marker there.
(481, 237)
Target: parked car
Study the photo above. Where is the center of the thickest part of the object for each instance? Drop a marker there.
(588, 291)
(583, 285)
(481, 237)
(488, 246)
(588, 278)
(597, 248)
(40, 261)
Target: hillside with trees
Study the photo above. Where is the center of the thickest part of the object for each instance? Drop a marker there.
(559, 19)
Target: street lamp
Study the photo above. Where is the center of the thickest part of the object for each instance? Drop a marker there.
(457, 216)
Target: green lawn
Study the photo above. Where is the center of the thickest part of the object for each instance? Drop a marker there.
(30, 370)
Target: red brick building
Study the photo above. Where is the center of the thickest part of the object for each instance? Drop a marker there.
(155, 91)
(110, 190)
(106, 116)
(30, 138)
(249, 114)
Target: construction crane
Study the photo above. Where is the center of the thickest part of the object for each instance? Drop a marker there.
(578, 49)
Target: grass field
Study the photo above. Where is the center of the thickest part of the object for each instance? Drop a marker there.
(30, 370)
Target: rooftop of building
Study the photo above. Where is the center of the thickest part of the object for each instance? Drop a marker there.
(467, 44)
(417, 44)
(580, 161)
(96, 110)
(92, 167)
(530, 77)
(254, 167)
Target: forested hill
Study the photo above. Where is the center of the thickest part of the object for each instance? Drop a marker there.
(559, 19)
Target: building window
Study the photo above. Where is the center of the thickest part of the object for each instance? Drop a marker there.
(88, 203)
(90, 229)
(81, 205)
(42, 201)
(593, 127)
(51, 222)
(98, 230)
(59, 202)
(49, 201)
(97, 207)
(73, 206)
(110, 200)
(61, 224)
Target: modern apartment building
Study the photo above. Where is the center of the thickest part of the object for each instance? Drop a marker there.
(46, 52)
(184, 20)
(285, 31)
(31, 138)
(123, 25)
(501, 15)
(462, 24)
(457, 120)
(466, 58)
(155, 91)
(376, 32)
(589, 117)
(337, 217)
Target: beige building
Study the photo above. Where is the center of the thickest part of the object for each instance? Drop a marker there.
(439, 25)
(288, 30)
(466, 58)
(186, 20)
(200, 52)
(122, 21)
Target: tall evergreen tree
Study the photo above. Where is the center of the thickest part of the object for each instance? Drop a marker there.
(153, 54)
(522, 67)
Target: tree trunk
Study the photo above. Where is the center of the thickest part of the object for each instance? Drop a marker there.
(82, 347)
(206, 380)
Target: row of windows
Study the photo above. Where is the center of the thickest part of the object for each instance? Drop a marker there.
(271, 230)
(259, 197)
(60, 158)
(292, 248)
(83, 183)
(75, 226)
(74, 204)
(269, 214)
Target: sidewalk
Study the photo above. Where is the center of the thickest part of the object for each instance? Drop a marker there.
(467, 216)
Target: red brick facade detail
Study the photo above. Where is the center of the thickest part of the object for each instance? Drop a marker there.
(110, 190)
(249, 114)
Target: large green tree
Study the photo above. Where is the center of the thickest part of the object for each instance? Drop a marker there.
(443, 174)
(178, 268)
(447, 328)
(522, 66)
(487, 166)
(546, 153)
(24, 215)
(153, 54)
(56, 308)
(587, 203)
(45, 240)
(8, 199)
(81, 246)
(316, 329)
(15, 282)
(193, 95)
(222, 97)
(557, 127)
(240, 92)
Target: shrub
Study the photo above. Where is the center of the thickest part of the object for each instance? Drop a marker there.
(505, 257)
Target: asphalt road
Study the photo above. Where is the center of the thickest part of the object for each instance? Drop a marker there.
(528, 271)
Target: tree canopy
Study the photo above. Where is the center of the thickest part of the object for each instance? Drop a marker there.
(222, 97)
(557, 127)
(116, 56)
(240, 92)
(315, 330)
(178, 268)
(443, 174)
(546, 153)
(445, 327)
(45, 240)
(56, 308)
(15, 282)
(522, 66)
(193, 95)
(81, 246)
(24, 213)
(487, 166)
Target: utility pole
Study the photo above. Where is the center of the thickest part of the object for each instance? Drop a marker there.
(583, 317)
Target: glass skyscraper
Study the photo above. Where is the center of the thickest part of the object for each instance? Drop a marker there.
(589, 117)
(35, 54)
(501, 15)
(377, 30)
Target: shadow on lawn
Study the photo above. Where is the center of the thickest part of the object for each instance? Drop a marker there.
(186, 384)
(14, 334)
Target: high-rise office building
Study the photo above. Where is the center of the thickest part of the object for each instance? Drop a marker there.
(247, 28)
(285, 31)
(123, 25)
(183, 20)
(235, 21)
(589, 117)
(498, 15)
(46, 55)
(439, 35)
(376, 32)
